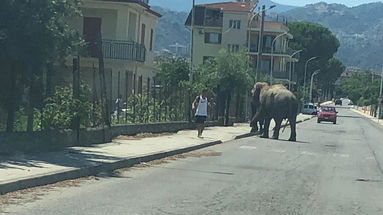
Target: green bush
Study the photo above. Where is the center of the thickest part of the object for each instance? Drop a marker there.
(61, 109)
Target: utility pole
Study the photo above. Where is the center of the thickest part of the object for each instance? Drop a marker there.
(192, 42)
(260, 43)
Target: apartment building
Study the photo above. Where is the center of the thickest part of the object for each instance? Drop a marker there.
(127, 29)
(226, 26)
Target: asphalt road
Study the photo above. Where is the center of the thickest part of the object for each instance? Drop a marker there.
(333, 169)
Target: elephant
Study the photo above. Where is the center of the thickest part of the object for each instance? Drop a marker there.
(254, 107)
(275, 102)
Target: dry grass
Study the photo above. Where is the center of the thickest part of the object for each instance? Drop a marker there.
(142, 135)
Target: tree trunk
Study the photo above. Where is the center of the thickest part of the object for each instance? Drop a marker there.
(30, 104)
(49, 80)
(227, 109)
(11, 99)
(237, 106)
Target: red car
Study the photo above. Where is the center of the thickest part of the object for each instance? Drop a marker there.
(328, 114)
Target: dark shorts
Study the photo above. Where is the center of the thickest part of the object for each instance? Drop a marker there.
(200, 119)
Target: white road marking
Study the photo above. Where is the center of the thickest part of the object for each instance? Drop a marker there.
(308, 153)
(370, 158)
(341, 155)
(277, 151)
(248, 147)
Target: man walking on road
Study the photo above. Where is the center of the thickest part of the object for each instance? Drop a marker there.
(200, 105)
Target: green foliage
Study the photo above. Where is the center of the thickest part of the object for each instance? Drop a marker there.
(173, 71)
(229, 71)
(316, 41)
(363, 21)
(361, 89)
(61, 109)
(330, 72)
(36, 31)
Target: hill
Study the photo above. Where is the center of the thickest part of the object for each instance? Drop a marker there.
(170, 27)
(359, 30)
(186, 5)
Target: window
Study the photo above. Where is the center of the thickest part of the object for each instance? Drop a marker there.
(267, 42)
(233, 47)
(236, 24)
(151, 39)
(143, 34)
(214, 38)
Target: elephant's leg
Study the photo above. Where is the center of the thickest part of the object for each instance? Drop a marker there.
(278, 123)
(254, 127)
(266, 128)
(261, 123)
(293, 123)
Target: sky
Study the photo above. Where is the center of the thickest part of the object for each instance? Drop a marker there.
(304, 2)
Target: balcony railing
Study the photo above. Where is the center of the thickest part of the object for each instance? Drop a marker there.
(267, 50)
(284, 75)
(119, 50)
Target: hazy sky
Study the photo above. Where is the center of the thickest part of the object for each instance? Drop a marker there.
(304, 2)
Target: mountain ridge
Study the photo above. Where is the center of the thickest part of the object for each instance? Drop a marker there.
(359, 29)
(186, 5)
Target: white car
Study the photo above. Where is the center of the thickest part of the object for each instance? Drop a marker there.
(309, 108)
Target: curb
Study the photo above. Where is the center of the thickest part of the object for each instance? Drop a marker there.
(93, 170)
(55, 177)
(370, 119)
(255, 133)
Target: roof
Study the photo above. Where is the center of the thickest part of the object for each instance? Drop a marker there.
(230, 6)
(141, 3)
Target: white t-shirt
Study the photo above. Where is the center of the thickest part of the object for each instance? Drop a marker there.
(202, 107)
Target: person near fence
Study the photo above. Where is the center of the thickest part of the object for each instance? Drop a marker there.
(118, 106)
(200, 106)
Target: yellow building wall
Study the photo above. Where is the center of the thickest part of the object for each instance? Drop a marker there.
(200, 48)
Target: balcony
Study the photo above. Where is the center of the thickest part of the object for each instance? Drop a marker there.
(284, 75)
(267, 50)
(119, 50)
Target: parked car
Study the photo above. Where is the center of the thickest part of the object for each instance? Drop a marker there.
(338, 102)
(328, 114)
(309, 108)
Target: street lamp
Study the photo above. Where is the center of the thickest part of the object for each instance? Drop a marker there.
(304, 81)
(311, 84)
(291, 60)
(272, 57)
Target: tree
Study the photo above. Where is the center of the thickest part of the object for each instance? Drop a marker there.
(174, 71)
(316, 41)
(227, 74)
(329, 73)
(361, 88)
(32, 35)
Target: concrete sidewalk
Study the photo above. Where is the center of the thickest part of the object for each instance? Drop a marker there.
(374, 119)
(24, 171)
